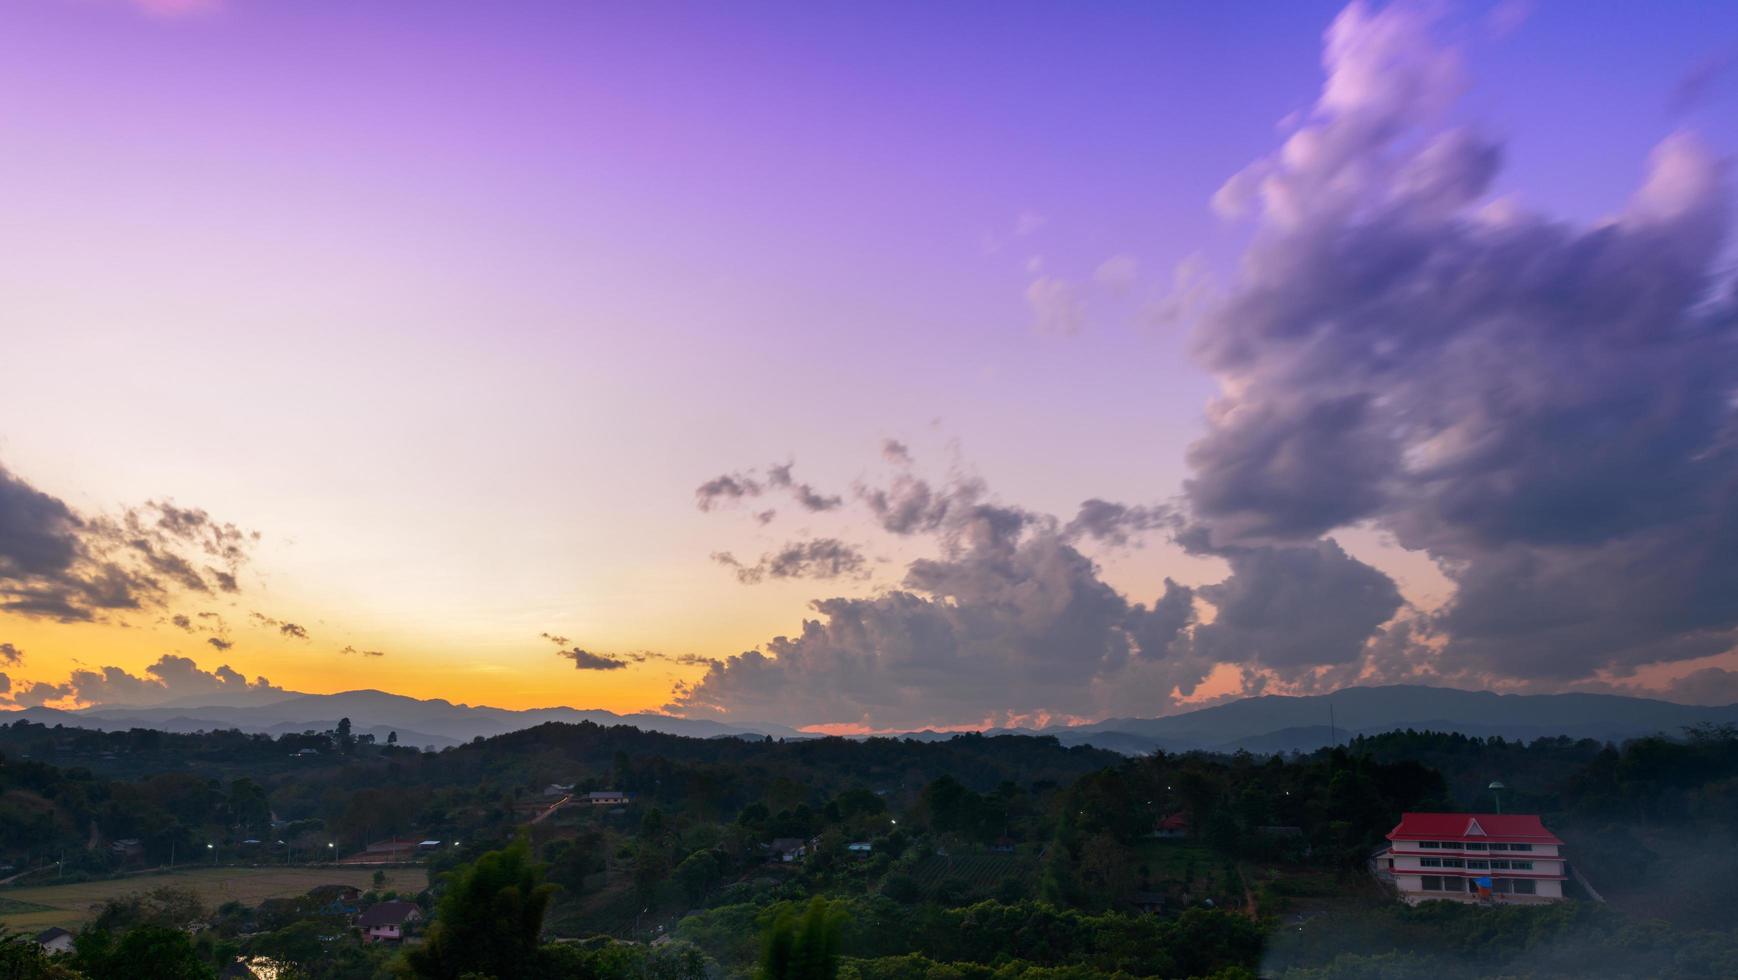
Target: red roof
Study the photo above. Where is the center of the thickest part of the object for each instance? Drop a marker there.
(1519, 827)
(1176, 821)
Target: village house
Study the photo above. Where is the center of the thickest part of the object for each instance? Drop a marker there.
(1472, 857)
(336, 899)
(787, 849)
(54, 940)
(386, 922)
(608, 797)
(391, 849)
(1173, 827)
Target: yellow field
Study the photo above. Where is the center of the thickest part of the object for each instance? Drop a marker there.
(69, 906)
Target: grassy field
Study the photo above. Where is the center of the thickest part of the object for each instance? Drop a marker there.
(36, 907)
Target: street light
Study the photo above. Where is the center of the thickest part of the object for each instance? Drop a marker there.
(213, 849)
(1496, 789)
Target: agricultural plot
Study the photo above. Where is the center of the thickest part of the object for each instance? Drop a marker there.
(980, 873)
(34, 908)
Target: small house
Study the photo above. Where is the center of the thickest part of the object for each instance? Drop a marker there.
(608, 797)
(785, 850)
(336, 899)
(1173, 827)
(387, 922)
(54, 940)
(861, 848)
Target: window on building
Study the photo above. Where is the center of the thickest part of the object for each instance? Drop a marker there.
(1476, 865)
(1453, 863)
(1503, 886)
(1521, 865)
(1430, 862)
(1526, 886)
(1499, 865)
(1471, 846)
(1431, 883)
(1428, 844)
(1454, 884)
(1520, 847)
(1499, 847)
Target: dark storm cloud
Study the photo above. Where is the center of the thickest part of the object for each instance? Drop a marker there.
(294, 631)
(1117, 524)
(38, 693)
(58, 564)
(732, 488)
(1010, 621)
(170, 678)
(1546, 410)
(820, 558)
(586, 660)
(1295, 608)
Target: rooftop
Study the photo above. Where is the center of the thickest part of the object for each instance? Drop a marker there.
(1521, 827)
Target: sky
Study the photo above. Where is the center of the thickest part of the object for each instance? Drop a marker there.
(865, 367)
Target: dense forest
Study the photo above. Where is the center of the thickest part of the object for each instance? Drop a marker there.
(869, 859)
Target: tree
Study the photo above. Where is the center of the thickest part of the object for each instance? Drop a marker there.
(805, 948)
(150, 952)
(346, 741)
(391, 738)
(488, 922)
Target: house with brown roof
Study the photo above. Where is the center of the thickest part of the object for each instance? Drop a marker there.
(387, 922)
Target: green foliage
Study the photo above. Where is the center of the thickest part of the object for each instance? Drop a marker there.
(804, 947)
(489, 920)
(148, 952)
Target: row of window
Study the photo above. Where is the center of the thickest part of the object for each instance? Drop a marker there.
(1476, 864)
(1471, 845)
(1502, 886)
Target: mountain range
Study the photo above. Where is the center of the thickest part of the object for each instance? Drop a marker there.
(1266, 724)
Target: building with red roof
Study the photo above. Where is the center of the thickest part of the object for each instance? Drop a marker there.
(1468, 857)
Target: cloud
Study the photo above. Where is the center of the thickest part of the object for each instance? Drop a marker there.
(1117, 273)
(362, 653)
(177, 8)
(219, 643)
(170, 678)
(1009, 622)
(1294, 609)
(294, 631)
(1710, 685)
(780, 477)
(896, 452)
(38, 693)
(586, 660)
(1545, 410)
(732, 488)
(1057, 306)
(1697, 86)
(59, 564)
(1117, 524)
(821, 558)
(11, 654)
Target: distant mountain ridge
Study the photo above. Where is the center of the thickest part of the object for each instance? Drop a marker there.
(433, 722)
(1266, 724)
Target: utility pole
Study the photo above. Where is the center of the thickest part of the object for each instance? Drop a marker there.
(1496, 789)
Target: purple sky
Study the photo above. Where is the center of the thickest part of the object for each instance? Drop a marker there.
(457, 303)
